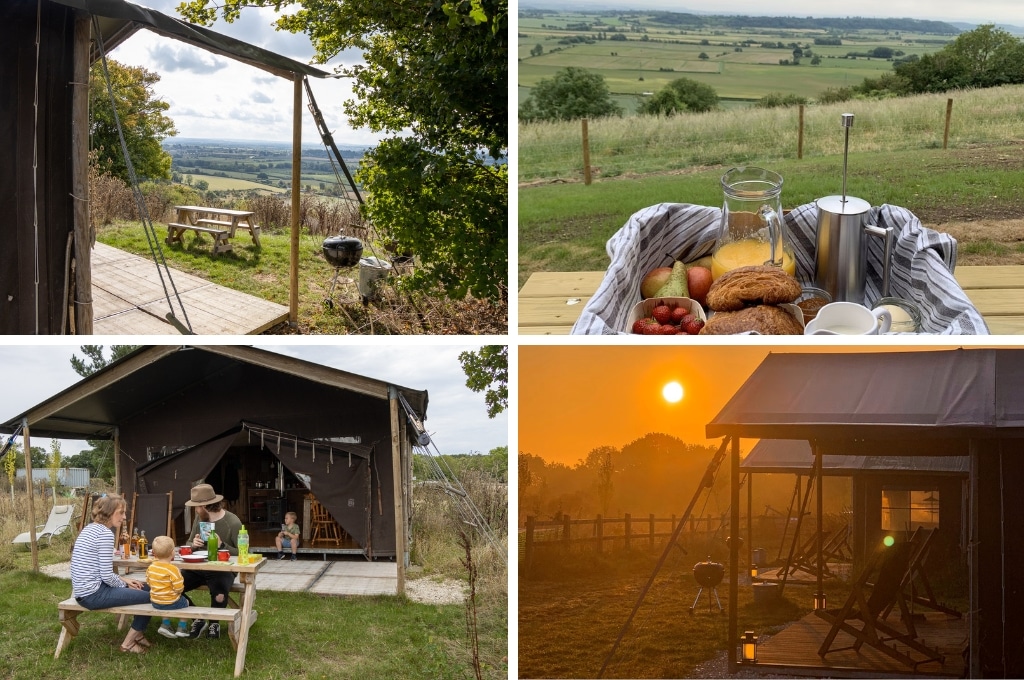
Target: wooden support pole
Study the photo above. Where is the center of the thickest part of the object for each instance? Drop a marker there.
(820, 599)
(949, 116)
(800, 135)
(750, 520)
(566, 530)
(26, 441)
(401, 553)
(734, 552)
(81, 291)
(586, 153)
(293, 279)
(628, 530)
(599, 532)
(531, 522)
(118, 487)
(650, 523)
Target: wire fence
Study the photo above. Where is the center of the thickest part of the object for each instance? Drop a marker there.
(654, 144)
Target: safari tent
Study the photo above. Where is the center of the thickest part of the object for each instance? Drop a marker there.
(964, 402)
(45, 263)
(263, 428)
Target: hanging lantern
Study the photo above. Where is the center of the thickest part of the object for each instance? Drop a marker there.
(819, 601)
(748, 647)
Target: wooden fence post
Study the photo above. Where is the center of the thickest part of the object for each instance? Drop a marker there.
(586, 153)
(628, 527)
(949, 114)
(650, 523)
(565, 531)
(528, 557)
(800, 135)
(599, 532)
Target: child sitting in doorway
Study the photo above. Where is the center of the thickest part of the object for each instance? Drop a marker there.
(166, 586)
(289, 536)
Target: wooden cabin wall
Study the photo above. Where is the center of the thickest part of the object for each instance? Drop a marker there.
(18, 241)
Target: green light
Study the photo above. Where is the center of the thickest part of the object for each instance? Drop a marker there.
(888, 541)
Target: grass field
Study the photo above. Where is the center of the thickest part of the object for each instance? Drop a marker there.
(737, 63)
(233, 184)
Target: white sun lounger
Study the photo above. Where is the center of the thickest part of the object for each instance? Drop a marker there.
(59, 520)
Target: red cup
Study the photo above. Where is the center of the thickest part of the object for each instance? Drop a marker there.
(223, 555)
(185, 550)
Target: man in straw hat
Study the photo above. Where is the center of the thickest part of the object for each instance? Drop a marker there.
(209, 508)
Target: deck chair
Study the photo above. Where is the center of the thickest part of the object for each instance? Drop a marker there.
(322, 524)
(60, 519)
(861, 616)
(152, 513)
(915, 580)
(835, 547)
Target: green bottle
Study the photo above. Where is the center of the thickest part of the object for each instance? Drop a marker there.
(212, 543)
(243, 546)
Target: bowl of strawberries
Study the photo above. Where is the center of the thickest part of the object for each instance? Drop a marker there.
(666, 316)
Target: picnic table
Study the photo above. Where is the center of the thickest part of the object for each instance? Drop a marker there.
(221, 223)
(246, 576)
(550, 302)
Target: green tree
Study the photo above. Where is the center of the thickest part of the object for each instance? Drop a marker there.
(682, 94)
(537, 50)
(487, 371)
(53, 461)
(984, 57)
(100, 458)
(435, 77)
(703, 56)
(142, 119)
(572, 93)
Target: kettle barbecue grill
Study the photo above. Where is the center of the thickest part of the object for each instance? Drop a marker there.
(708, 574)
(340, 252)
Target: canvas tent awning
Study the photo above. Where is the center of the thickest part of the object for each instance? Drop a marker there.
(794, 456)
(120, 19)
(142, 381)
(334, 473)
(844, 400)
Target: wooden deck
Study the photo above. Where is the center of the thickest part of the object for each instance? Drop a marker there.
(128, 299)
(550, 302)
(794, 651)
(842, 570)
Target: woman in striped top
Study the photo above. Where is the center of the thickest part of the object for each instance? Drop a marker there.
(93, 581)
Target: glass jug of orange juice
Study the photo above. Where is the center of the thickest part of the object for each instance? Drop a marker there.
(752, 231)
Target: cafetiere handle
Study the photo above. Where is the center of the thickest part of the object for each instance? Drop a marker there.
(887, 258)
(774, 234)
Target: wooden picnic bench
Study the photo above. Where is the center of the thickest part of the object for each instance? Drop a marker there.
(551, 302)
(221, 223)
(69, 609)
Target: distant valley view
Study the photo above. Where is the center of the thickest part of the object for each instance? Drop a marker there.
(254, 166)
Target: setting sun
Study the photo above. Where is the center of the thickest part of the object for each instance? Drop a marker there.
(672, 392)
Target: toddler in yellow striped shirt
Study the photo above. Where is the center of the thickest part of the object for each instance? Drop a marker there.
(166, 585)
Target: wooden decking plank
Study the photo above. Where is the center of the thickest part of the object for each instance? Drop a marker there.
(797, 647)
(990, 276)
(128, 298)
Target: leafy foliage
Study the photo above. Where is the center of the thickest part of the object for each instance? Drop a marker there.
(493, 464)
(682, 94)
(572, 93)
(774, 100)
(487, 371)
(435, 76)
(142, 120)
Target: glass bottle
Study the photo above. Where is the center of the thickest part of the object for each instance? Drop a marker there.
(126, 544)
(243, 546)
(135, 542)
(212, 543)
(143, 550)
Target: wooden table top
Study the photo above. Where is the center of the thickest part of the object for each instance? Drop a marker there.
(551, 302)
(213, 211)
(231, 565)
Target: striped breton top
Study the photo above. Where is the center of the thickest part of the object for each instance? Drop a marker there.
(165, 582)
(92, 561)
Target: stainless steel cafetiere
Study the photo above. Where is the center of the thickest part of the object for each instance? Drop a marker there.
(842, 241)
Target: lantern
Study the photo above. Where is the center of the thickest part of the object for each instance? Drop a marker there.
(748, 647)
(819, 601)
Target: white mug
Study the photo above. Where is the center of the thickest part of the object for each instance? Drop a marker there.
(849, 318)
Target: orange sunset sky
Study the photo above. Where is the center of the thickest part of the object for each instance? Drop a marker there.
(573, 399)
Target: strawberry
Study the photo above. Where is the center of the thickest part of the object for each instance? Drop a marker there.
(678, 313)
(667, 329)
(687, 318)
(693, 326)
(662, 313)
(638, 326)
(652, 327)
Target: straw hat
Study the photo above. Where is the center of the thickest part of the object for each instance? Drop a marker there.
(203, 494)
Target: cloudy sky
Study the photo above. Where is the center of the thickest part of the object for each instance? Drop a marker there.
(978, 12)
(456, 416)
(216, 97)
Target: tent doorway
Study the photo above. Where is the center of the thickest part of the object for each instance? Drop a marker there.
(264, 474)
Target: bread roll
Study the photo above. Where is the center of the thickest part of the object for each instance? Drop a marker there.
(755, 285)
(765, 319)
